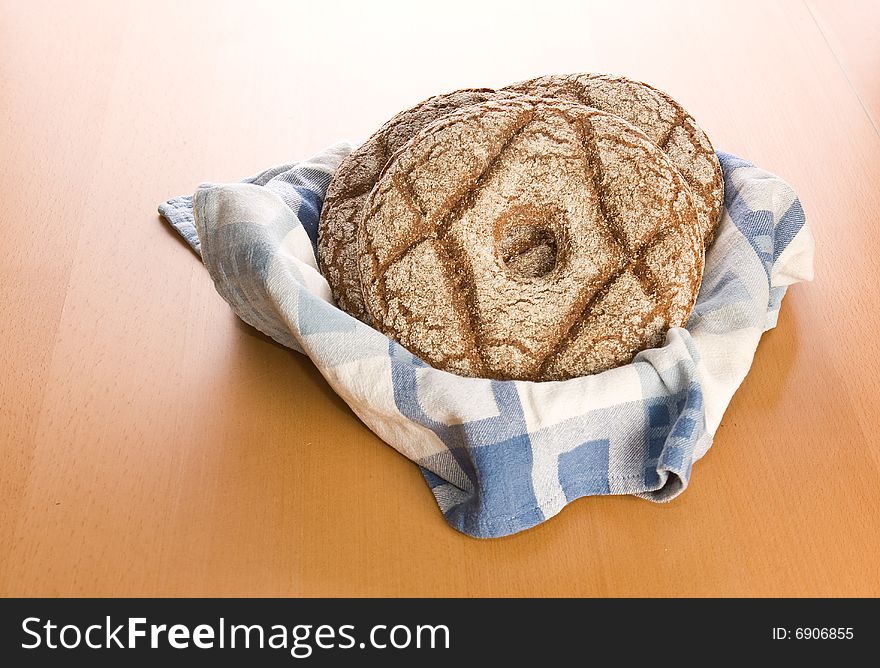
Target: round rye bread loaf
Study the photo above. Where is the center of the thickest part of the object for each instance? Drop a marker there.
(650, 110)
(530, 239)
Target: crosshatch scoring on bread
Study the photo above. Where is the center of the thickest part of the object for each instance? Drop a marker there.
(661, 118)
(523, 233)
(352, 183)
(530, 239)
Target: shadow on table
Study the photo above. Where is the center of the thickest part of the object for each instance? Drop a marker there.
(300, 364)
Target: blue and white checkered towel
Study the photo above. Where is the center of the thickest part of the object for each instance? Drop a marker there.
(503, 456)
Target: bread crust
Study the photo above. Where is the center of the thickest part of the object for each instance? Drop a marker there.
(355, 178)
(662, 119)
(531, 239)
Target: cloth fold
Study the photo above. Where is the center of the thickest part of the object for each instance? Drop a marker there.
(503, 456)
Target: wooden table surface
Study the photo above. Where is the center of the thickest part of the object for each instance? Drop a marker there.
(120, 473)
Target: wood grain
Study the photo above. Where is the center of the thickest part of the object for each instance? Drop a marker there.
(154, 445)
(853, 36)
